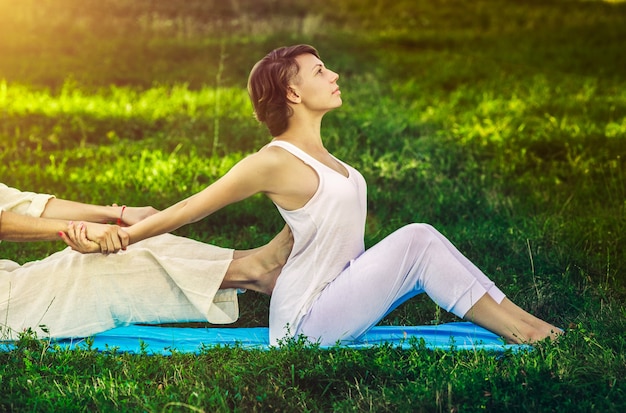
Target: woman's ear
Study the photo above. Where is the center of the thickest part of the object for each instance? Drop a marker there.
(292, 95)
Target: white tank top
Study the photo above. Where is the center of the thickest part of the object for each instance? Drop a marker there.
(328, 233)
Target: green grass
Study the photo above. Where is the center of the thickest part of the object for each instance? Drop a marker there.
(299, 377)
(501, 123)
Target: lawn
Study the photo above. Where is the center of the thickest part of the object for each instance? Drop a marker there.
(503, 124)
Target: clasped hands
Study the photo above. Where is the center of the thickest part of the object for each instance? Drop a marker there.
(90, 237)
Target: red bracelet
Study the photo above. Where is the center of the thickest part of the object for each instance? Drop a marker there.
(119, 220)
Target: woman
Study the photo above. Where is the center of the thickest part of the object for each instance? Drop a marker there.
(164, 279)
(331, 289)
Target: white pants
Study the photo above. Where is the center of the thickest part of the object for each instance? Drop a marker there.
(158, 280)
(410, 261)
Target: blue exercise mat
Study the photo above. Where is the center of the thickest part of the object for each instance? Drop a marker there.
(165, 340)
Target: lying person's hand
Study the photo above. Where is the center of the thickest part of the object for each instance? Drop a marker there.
(76, 238)
(87, 237)
(132, 215)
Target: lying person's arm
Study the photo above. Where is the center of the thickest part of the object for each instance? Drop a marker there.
(29, 216)
(77, 211)
(22, 228)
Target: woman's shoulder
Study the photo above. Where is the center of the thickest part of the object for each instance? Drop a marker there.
(272, 154)
(268, 159)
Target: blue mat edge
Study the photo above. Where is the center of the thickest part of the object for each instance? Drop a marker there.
(168, 340)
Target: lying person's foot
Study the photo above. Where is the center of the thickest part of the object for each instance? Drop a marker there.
(258, 269)
(272, 257)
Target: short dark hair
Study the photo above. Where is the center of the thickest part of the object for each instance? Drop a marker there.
(268, 83)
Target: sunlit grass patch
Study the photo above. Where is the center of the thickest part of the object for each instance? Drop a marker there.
(155, 105)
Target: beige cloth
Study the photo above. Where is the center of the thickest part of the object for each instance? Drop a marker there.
(68, 294)
(25, 203)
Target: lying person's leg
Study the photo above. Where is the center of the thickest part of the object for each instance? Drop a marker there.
(161, 280)
(256, 269)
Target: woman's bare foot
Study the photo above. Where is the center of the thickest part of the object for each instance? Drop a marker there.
(539, 328)
(258, 269)
(508, 320)
(531, 335)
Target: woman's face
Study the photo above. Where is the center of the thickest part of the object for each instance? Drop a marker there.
(315, 85)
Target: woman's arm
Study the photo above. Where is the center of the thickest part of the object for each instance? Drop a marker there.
(257, 173)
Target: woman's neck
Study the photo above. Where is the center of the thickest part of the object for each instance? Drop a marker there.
(305, 134)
